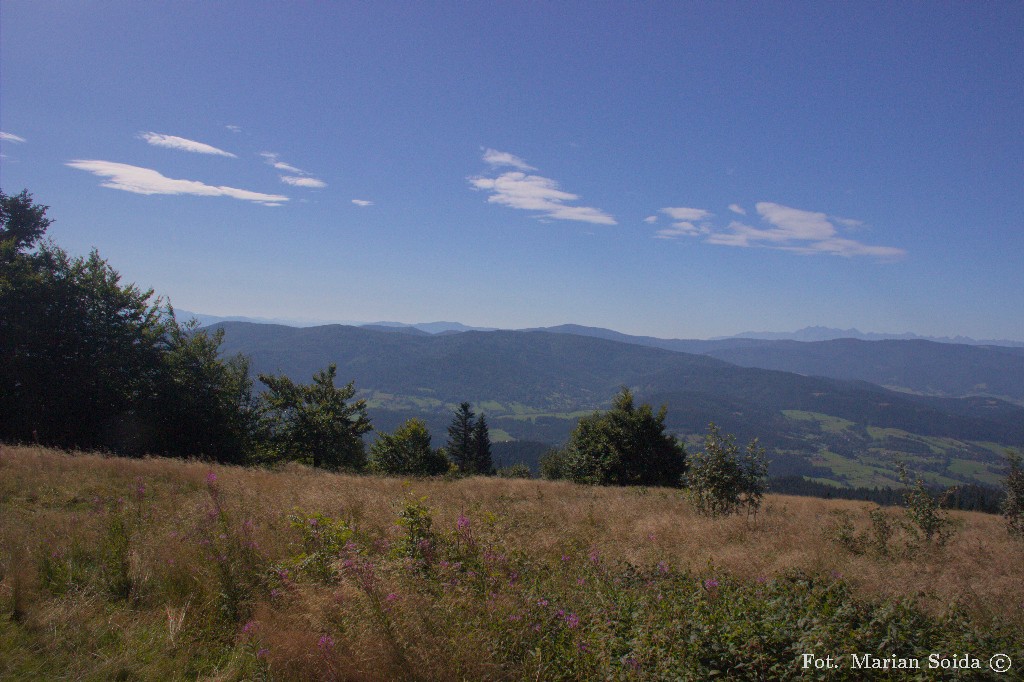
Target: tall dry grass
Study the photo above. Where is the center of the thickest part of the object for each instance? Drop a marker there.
(163, 569)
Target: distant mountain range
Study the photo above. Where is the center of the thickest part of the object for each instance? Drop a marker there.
(533, 385)
(830, 333)
(805, 334)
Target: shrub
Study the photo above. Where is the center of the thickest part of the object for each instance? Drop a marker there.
(923, 513)
(553, 465)
(627, 445)
(721, 482)
(407, 451)
(517, 470)
(1013, 503)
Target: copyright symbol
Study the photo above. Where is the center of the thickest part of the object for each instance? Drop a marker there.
(1000, 663)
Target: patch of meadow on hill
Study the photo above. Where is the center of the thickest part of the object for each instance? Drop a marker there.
(114, 568)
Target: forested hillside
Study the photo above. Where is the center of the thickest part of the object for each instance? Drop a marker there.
(533, 385)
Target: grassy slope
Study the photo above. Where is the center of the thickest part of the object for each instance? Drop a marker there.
(148, 569)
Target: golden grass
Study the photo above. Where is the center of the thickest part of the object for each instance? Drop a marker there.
(53, 501)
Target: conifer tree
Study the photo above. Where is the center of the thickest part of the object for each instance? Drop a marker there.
(482, 460)
(460, 446)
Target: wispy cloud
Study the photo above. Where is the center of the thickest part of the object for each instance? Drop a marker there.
(233, 128)
(496, 158)
(736, 208)
(148, 181)
(651, 219)
(298, 177)
(681, 229)
(684, 225)
(273, 159)
(297, 181)
(786, 229)
(362, 202)
(534, 193)
(182, 144)
(11, 137)
(687, 214)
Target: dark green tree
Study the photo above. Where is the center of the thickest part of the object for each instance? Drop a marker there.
(626, 445)
(90, 362)
(460, 447)
(205, 406)
(407, 451)
(81, 352)
(22, 224)
(483, 463)
(313, 423)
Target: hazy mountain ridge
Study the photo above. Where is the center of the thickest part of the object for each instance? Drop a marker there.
(533, 386)
(818, 333)
(919, 366)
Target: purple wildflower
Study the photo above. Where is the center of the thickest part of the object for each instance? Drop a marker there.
(326, 643)
(710, 584)
(572, 620)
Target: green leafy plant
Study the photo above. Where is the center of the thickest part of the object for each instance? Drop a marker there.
(722, 482)
(1013, 503)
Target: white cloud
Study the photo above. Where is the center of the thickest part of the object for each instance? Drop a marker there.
(234, 129)
(788, 229)
(794, 223)
(651, 219)
(686, 214)
(496, 158)
(362, 202)
(181, 144)
(536, 193)
(736, 208)
(11, 137)
(147, 181)
(517, 189)
(685, 222)
(302, 182)
(271, 158)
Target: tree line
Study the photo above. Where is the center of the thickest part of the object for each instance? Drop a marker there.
(89, 362)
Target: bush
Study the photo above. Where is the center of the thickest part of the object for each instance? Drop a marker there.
(407, 451)
(722, 482)
(924, 516)
(1013, 503)
(626, 445)
(517, 470)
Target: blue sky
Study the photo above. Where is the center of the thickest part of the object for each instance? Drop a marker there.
(673, 169)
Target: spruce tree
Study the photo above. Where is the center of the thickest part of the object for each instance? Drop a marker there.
(482, 447)
(460, 446)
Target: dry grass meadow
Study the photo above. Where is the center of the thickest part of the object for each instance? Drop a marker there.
(116, 568)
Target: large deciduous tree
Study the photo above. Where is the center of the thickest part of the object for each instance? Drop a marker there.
(81, 352)
(86, 361)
